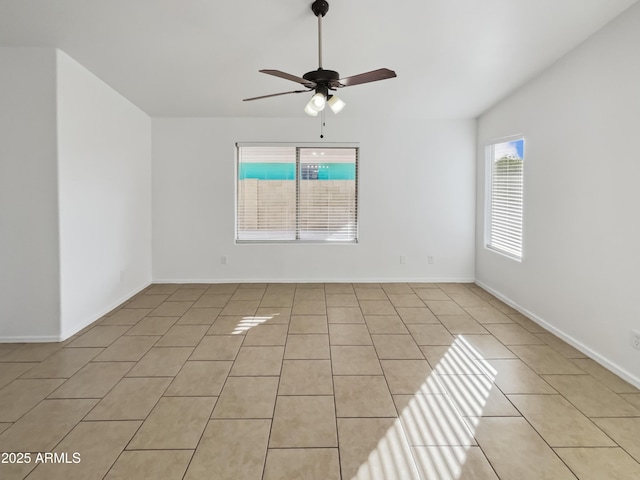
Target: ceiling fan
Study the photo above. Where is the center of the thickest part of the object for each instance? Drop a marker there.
(324, 81)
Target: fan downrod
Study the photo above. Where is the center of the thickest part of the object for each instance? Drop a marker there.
(320, 8)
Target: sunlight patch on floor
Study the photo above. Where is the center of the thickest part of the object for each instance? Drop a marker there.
(247, 323)
(430, 435)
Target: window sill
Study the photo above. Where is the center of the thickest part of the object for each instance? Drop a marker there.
(504, 253)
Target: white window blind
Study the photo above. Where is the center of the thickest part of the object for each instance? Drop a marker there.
(266, 193)
(327, 194)
(296, 194)
(505, 211)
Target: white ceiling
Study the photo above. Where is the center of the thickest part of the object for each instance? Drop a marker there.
(454, 58)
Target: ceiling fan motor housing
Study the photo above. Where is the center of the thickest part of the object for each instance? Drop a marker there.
(320, 7)
(322, 76)
(324, 79)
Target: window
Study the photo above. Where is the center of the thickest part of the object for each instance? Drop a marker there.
(506, 162)
(291, 193)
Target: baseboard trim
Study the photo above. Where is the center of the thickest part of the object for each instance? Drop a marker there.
(314, 280)
(33, 339)
(605, 362)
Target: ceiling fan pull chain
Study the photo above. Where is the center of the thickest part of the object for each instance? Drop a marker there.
(322, 124)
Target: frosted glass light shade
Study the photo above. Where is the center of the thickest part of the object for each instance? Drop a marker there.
(336, 104)
(309, 110)
(318, 102)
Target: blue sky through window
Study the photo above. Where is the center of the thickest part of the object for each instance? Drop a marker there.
(513, 149)
(519, 147)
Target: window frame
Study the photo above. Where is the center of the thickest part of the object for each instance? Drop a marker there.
(298, 173)
(489, 197)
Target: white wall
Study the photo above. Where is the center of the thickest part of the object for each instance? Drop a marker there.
(579, 275)
(104, 167)
(416, 198)
(29, 283)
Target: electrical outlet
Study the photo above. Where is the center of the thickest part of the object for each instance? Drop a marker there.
(223, 260)
(403, 259)
(635, 339)
(430, 260)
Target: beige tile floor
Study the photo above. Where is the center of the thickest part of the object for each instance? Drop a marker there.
(315, 381)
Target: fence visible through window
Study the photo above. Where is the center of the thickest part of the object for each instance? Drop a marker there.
(290, 193)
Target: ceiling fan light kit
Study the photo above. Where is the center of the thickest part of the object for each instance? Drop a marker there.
(324, 81)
